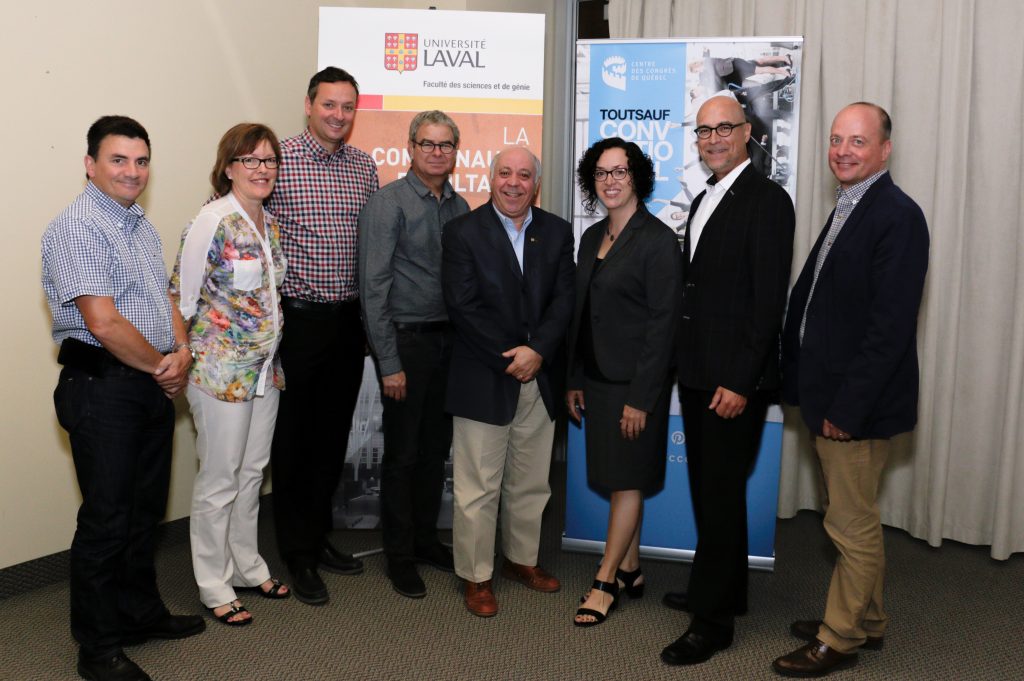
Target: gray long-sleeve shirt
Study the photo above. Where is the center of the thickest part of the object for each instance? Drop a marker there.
(400, 261)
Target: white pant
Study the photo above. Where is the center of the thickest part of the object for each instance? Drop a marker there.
(506, 467)
(233, 448)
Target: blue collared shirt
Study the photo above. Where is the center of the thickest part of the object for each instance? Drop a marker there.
(516, 236)
(97, 247)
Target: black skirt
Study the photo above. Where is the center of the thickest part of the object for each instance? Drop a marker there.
(613, 462)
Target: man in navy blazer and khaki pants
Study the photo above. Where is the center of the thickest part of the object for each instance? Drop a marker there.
(849, 360)
(737, 252)
(507, 277)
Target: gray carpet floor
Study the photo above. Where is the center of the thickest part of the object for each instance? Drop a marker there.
(955, 615)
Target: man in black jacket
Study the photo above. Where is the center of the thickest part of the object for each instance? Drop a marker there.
(737, 251)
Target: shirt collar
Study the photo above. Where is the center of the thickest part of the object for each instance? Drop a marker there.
(857, 191)
(507, 222)
(716, 186)
(115, 211)
(317, 150)
(423, 190)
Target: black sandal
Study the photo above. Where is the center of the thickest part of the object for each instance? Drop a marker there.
(629, 582)
(611, 588)
(274, 592)
(233, 612)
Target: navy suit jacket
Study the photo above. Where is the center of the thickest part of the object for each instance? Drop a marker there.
(734, 292)
(495, 307)
(857, 365)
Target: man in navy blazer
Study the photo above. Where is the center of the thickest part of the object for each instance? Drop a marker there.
(849, 360)
(507, 277)
(737, 252)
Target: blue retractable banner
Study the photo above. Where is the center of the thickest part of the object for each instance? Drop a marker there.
(648, 92)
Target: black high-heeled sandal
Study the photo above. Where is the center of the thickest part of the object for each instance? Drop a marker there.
(611, 588)
(629, 582)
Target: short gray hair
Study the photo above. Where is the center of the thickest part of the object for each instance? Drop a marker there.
(536, 162)
(435, 117)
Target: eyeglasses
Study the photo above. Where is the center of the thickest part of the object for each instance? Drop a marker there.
(428, 147)
(252, 163)
(723, 130)
(600, 175)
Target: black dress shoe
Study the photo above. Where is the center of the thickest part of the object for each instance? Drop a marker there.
(694, 648)
(438, 555)
(117, 667)
(338, 562)
(405, 580)
(308, 587)
(677, 600)
(169, 627)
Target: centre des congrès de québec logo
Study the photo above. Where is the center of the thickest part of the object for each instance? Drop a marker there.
(613, 72)
(401, 51)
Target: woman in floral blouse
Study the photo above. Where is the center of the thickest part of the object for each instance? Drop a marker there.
(226, 285)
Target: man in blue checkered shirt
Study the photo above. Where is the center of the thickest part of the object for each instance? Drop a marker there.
(125, 356)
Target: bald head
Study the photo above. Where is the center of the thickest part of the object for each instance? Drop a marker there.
(858, 144)
(722, 152)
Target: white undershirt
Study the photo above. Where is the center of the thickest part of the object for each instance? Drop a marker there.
(712, 197)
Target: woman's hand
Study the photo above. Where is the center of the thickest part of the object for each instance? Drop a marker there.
(633, 422)
(574, 401)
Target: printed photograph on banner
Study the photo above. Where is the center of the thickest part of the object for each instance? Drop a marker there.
(649, 93)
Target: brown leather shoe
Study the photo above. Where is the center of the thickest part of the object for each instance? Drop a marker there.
(480, 599)
(814, 659)
(532, 576)
(807, 630)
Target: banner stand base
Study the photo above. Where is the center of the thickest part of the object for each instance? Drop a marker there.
(759, 563)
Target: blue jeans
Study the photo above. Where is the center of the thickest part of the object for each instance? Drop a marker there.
(120, 425)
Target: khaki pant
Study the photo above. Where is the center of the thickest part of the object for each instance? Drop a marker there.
(851, 472)
(509, 465)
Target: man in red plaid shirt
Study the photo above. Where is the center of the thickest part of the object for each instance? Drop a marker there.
(322, 185)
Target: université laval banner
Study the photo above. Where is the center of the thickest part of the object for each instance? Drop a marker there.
(486, 71)
(648, 92)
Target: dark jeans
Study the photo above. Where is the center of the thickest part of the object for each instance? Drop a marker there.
(120, 425)
(720, 455)
(322, 354)
(417, 440)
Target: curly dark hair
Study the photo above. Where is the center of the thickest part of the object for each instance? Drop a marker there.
(641, 169)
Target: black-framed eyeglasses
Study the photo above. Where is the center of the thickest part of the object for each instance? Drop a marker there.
(600, 175)
(428, 147)
(723, 129)
(252, 163)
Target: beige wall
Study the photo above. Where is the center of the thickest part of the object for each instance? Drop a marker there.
(187, 70)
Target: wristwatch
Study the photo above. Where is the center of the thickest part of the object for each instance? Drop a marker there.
(188, 347)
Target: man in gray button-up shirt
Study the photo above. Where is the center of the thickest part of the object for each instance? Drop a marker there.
(407, 328)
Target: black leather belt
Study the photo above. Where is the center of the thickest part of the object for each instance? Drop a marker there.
(93, 360)
(327, 309)
(422, 327)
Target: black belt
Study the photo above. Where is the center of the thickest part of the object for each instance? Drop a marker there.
(94, 360)
(331, 308)
(423, 327)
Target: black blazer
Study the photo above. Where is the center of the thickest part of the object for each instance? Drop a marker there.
(634, 306)
(734, 293)
(857, 366)
(495, 307)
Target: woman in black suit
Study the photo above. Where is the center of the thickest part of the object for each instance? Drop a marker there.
(628, 280)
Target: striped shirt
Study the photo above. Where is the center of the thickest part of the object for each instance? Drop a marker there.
(317, 200)
(97, 247)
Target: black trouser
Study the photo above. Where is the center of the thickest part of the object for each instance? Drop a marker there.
(720, 455)
(322, 355)
(120, 425)
(417, 440)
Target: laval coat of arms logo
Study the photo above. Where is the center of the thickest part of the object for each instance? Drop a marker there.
(400, 51)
